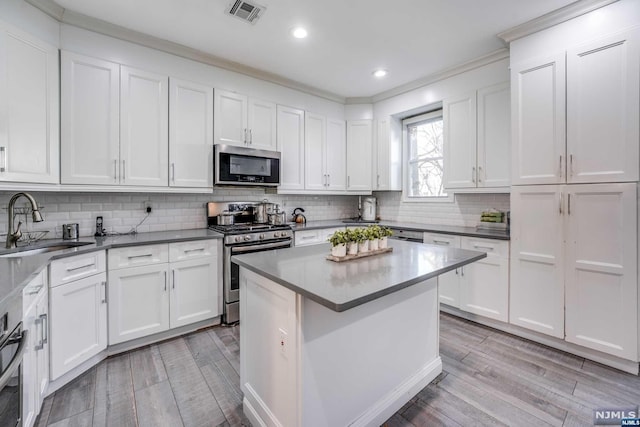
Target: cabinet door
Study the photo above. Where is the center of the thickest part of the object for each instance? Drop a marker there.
(538, 121)
(291, 148)
(381, 157)
(601, 277)
(190, 134)
(448, 283)
(494, 136)
(336, 155)
(230, 116)
(459, 117)
(194, 290)
(537, 260)
(484, 285)
(315, 133)
(29, 120)
(78, 313)
(90, 120)
(144, 132)
(359, 147)
(138, 302)
(29, 369)
(602, 110)
(261, 123)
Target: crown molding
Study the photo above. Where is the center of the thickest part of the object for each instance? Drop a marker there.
(550, 19)
(102, 27)
(358, 100)
(487, 59)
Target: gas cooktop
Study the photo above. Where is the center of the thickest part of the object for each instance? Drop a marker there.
(247, 228)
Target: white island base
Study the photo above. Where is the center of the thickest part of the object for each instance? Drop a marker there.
(303, 364)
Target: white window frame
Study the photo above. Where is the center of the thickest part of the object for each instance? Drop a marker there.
(449, 198)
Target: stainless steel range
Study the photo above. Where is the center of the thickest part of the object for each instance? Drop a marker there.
(241, 237)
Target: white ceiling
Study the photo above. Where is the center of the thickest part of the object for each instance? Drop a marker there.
(347, 40)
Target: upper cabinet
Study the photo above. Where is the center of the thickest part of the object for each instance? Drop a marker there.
(190, 134)
(291, 147)
(359, 147)
(477, 139)
(325, 153)
(387, 162)
(29, 102)
(597, 140)
(244, 121)
(114, 124)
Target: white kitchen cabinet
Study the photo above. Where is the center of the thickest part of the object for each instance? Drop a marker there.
(448, 283)
(154, 288)
(114, 124)
(387, 162)
(90, 120)
(359, 148)
(574, 273)
(35, 362)
(601, 276)
(603, 106)
(484, 285)
(477, 139)
(537, 291)
(597, 85)
(29, 108)
(190, 134)
(78, 313)
(144, 128)
(314, 237)
(244, 121)
(325, 153)
(291, 147)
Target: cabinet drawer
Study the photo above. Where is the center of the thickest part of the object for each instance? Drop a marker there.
(73, 268)
(191, 250)
(308, 237)
(491, 247)
(442, 239)
(134, 256)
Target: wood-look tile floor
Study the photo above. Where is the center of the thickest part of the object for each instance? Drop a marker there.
(490, 378)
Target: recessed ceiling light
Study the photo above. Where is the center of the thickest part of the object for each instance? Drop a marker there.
(380, 73)
(299, 33)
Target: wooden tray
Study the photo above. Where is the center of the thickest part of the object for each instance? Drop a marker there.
(359, 255)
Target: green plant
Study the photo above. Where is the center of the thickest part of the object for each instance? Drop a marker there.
(376, 231)
(386, 232)
(353, 235)
(369, 233)
(338, 238)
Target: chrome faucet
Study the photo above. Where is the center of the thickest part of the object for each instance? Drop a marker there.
(13, 236)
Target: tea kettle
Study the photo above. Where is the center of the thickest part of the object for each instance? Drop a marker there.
(298, 217)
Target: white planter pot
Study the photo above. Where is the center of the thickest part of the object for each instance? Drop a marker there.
(352, 248)
(363, 246)
(373, 245)
(382, 243)
(339, 250)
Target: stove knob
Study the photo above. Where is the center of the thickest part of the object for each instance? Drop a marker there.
(262, 237)
(275, 235)
(247, 238)
(238, 239)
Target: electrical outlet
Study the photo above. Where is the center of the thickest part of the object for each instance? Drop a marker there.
(147, 206)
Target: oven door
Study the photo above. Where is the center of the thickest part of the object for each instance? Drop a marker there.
(11, 352)
(231, 271)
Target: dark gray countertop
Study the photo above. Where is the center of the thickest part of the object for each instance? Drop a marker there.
(444, 229)
(16, 273)
(341, 286)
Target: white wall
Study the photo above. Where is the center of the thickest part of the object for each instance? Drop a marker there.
(28, 18)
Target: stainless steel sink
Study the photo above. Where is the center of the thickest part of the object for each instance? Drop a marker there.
(40, 249)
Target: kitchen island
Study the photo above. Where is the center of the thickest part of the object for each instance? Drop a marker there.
(336, 344)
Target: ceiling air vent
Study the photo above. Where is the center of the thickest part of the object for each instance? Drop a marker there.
(247, 11)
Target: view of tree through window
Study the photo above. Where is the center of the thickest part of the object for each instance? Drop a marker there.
(425, 157)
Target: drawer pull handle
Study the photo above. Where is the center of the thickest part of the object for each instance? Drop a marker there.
(81, 267)
(104, 288)
(441, 242)
(44, 318)
(35, 290)
(173, 279)
(186, 251)
(3, 154)
(165, 281)
(489, 248)
(139, 256)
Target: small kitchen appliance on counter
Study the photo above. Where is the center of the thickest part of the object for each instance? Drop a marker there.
(70, 231)
(369, 209)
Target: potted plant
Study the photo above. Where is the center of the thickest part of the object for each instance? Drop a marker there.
(363, 240)
(352, 241)
(373, 234)
(338, 242)
(384, 234)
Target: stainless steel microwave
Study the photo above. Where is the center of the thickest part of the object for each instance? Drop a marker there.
(245, 166)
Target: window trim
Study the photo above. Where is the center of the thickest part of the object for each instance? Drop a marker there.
(450, 197)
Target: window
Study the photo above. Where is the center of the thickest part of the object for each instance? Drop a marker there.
(424, 158)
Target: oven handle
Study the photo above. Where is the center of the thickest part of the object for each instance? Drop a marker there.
(251, 248)
(15, 362)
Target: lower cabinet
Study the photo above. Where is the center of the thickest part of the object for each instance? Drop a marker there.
(481, 287)
(314, 237)
(78, 311)
(177, 286)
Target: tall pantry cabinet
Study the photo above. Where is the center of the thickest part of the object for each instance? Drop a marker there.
(574, 204)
